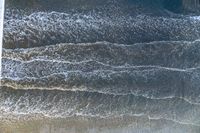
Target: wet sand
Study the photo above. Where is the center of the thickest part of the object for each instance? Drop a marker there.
(137, 124)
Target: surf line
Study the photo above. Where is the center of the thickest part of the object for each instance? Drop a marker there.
(2, 2)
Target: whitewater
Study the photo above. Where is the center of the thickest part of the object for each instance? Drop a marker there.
(100, 66)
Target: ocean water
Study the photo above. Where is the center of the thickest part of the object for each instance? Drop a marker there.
(109, 66)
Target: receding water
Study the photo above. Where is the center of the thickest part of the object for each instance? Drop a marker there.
(138, 124)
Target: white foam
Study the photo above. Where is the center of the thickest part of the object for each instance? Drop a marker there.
(195, 17)
(1, 29)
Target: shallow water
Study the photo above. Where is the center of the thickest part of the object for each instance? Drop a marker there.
(91, 66)
(90, 125)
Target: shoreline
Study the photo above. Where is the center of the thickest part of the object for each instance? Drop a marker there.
(93, 125)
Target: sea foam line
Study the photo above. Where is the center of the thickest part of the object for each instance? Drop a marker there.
(1, 30)
(101, 63)
(85, 89)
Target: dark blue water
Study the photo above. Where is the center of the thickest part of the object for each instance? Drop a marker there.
(103, 60)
